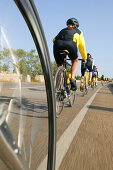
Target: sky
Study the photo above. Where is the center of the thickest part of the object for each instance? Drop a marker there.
(95, 19)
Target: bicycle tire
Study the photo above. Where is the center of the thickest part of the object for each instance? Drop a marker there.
(86, 87)
(59, 87)
(86, 90)
(71, 98)
(83, 92)
(92, 84)
(82, 89)
(15, 160)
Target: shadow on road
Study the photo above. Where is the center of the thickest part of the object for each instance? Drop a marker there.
(32, 116)
(101, 108)
(110, 86)
(37, 107)
(36, 89)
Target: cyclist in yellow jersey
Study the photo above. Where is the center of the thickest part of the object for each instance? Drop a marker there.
(70, 39)
(102, 79)
(88, 65)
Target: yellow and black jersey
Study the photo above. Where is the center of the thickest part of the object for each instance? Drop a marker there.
(73, 34)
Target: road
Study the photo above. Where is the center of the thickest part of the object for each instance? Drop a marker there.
(92, 146)
(84, 132)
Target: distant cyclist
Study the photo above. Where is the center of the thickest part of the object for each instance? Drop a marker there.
(107, 80)
(88, 65)
(70, 39)
(95, 73)
(102, 79)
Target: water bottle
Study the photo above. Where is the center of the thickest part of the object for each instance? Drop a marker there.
(68, 77)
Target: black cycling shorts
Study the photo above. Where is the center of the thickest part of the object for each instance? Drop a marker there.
(102, 78)
(87, 66)
(64, 45)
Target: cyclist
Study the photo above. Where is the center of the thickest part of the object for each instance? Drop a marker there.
(70, 39)
(88, 65)
(95, 73)
(102, 79)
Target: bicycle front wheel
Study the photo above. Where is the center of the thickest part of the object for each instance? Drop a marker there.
(27, 109)
(59, 89)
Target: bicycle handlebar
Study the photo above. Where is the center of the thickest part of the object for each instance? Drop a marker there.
(81, 59)
(83, 64)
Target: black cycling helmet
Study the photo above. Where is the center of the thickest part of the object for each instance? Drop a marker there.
(73, 21)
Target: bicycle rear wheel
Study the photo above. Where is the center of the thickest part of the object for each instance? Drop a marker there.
(71, 98)
(59, 90)
(92, 84)
(86, 90)
(82, 88)
(86, 86)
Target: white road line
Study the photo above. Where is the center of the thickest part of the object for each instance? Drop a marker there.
(65, 140)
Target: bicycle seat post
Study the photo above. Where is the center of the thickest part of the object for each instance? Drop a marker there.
(65, 64)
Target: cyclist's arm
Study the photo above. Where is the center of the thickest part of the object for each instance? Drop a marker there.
(54, 39)
(82, 47)
(92, 63)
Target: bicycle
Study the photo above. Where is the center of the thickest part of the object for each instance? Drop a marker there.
(85, 83)
(84, 86)
(95, 75)
(93, 82)
(62, 85)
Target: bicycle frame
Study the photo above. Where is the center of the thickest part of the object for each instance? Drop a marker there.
(65, 71)
(93, 82)
(86, 77)
(65, 63)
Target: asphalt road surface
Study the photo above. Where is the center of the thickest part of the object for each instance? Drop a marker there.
(92, 146)
(84, 131)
